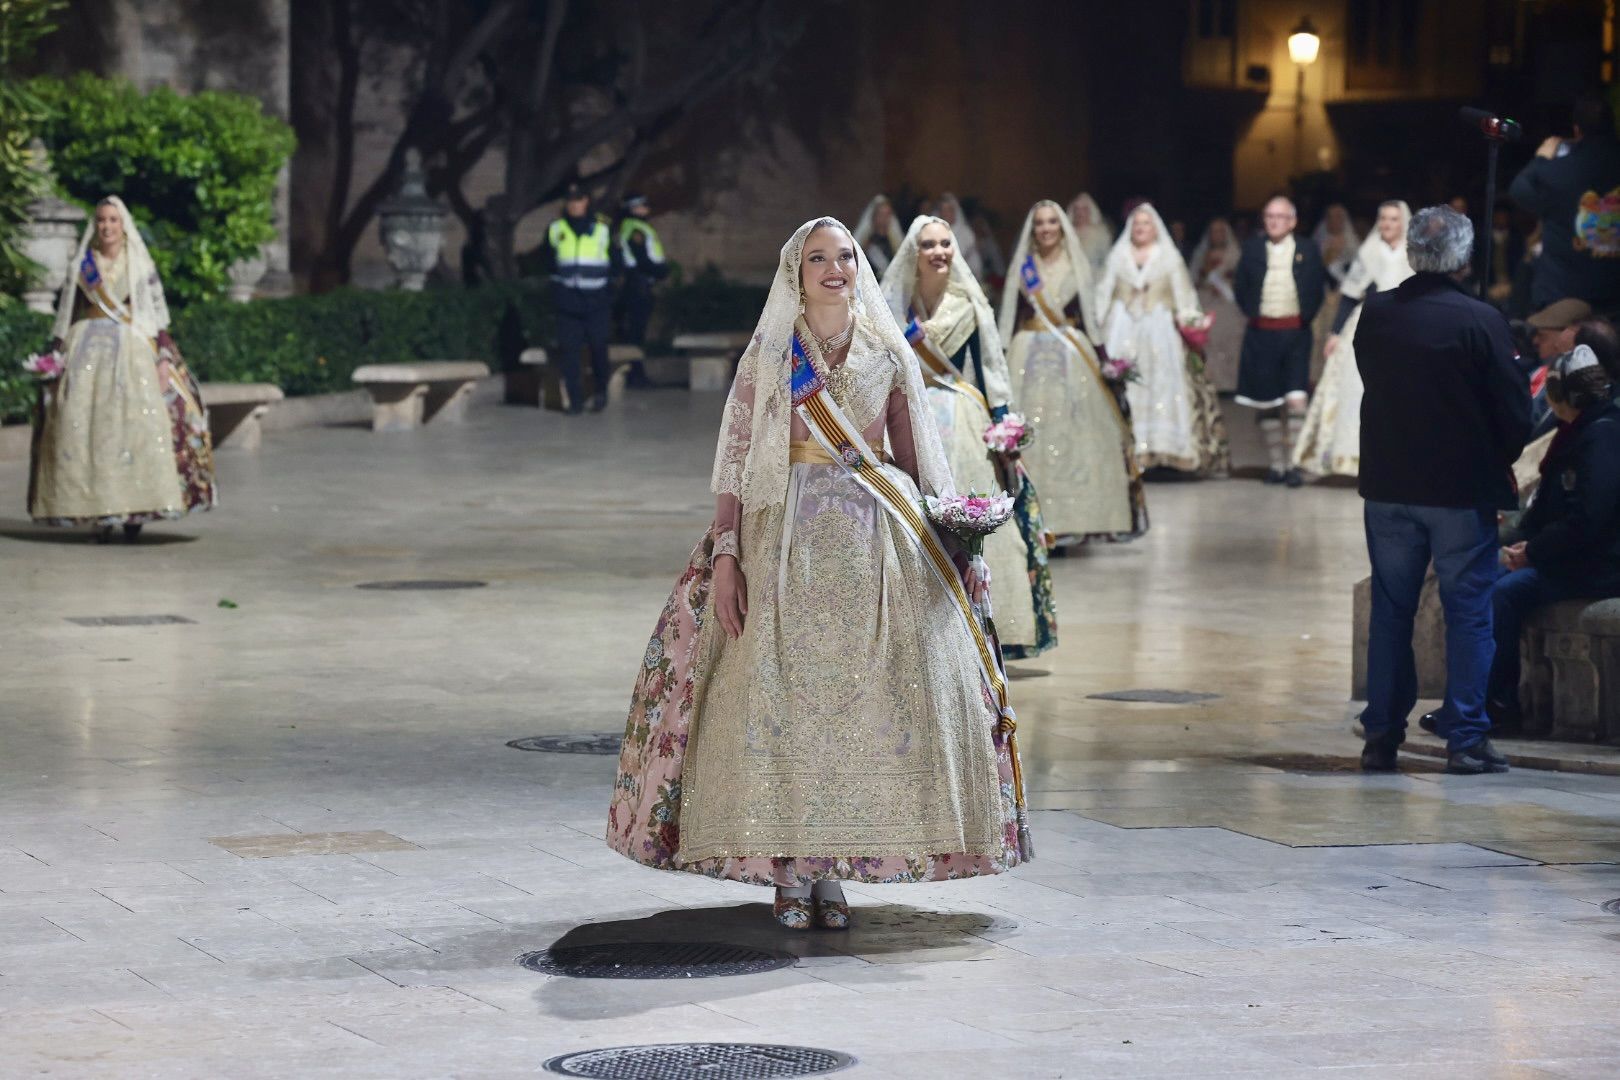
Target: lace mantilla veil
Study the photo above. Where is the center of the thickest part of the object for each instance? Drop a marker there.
(1166, 259)
(900, 285)
(1077, 258)
(148, 308)
(751, 460)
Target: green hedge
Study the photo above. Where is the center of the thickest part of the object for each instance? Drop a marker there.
(312, 344)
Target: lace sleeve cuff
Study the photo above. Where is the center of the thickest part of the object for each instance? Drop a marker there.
(726, 544)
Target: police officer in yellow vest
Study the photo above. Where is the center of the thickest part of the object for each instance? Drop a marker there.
(641, 254)
(580, 253)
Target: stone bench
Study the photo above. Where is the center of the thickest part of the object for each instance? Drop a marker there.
(1569, 660)
(406, 396)
(711, 357)
(538, 382)
(235, 412)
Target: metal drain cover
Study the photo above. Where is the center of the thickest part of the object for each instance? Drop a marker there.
(595, 743)
(132, 620)
(1158, 697)
(1329, 763)
(427, 585)
(699, 1061)
(1612, 906)
(654, 960)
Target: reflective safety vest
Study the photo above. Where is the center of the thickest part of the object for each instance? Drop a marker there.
(628, 228)
(583, 262)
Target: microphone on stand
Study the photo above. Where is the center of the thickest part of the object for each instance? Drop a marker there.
(1493, 127)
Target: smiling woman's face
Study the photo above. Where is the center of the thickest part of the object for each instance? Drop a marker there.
(1047, 229)
(827, 273)
(936, 247)
(109, 226)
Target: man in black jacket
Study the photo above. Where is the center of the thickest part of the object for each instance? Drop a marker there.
(1577, 198)
(1572, 529)
(1279, 284)
(1445, 414)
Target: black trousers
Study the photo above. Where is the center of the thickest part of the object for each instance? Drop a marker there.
(635, 309)
(584, 321)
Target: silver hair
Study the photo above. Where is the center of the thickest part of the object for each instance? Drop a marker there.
(1439, 241)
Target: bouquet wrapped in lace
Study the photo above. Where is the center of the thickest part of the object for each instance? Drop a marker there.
(45, 366)
(1009, 435)
(969, 518)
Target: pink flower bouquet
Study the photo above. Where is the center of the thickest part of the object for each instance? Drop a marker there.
(1009, 434)
(45, 366)
(1119, 369)
(1195, 331)
(970, 518)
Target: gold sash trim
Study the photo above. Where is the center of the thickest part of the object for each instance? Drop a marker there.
(942, 371)
(812, 453)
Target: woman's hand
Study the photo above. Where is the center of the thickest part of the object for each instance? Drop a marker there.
(1515, 557)
(1332, 343)
(730, 595)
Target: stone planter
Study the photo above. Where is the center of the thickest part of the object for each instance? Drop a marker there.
(49, 236)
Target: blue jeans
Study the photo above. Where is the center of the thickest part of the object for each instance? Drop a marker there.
(1401, 540)
(1515, 596)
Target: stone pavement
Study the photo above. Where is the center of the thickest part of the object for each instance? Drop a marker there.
(286, 838)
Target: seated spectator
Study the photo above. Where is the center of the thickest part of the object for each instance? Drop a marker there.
(1602, 338)
(1572, 528)
(1554, 327)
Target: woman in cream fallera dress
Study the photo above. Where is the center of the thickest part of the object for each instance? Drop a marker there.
(1083, 458)
(814, 711)
(1145, 294)
(1330, 442)
(121, 438)
(954, 314)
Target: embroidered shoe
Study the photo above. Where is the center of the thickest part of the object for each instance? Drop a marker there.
(792, 912)
(832, 914)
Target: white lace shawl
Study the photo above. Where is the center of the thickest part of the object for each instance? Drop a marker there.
(751, 460)
(149, 309)
(1165, 261)
(1096, 237)
(1377, 264)
(1078, 261)
(900, 287)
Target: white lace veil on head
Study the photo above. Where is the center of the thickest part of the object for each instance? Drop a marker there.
(1095, 236)
(1230, 251)
(1165, 258)
(967, 242)
(751, 460)
(900, 285)
(863, 227)
(148, 308)
(1077, 258)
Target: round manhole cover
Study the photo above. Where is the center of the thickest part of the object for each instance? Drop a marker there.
(429, 585)
(593, 743)
(1158, 697)
(654, 960)
(699, 1061)
(1612, 907)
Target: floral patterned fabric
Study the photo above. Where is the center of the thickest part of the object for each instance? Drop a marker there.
(644, 816)
(1027, 514)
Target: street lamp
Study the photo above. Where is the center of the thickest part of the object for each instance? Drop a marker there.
(1303, 45)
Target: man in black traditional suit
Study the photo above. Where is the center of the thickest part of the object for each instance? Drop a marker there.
(1279, 285)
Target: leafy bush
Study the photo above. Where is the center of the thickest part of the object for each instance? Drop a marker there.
(198, 172)
(708, 303)
(22, 332)
(22, 24)
(312, 344)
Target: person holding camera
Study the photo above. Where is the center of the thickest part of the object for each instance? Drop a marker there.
(1572, 527)
(1445, 414)
(1573, 186)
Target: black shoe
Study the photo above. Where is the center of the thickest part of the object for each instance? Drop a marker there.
(1275, 476)
(1294, 478)
(574, 408)
(1430, 722)
(1379, 754)
(1476, 760)
(598, 402)
(132, 533)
